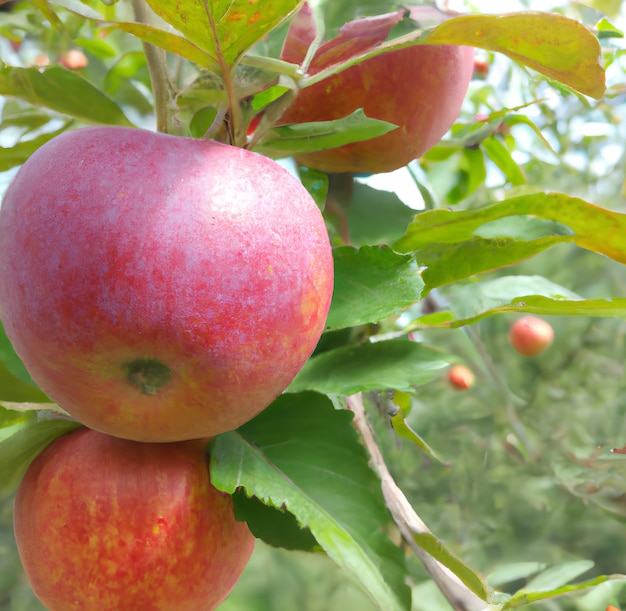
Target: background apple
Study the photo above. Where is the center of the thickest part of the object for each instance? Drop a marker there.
(460, 377)
(530, 335)
(105, 523)
(419, 88)
(161, 288)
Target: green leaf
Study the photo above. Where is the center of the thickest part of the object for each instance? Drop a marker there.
(225, 29)
(63, 91)
(275, 526)
(393, 364)
(501, 156)
(558, 575)
(376, 217)
(471, 299)
(22, 150)
(371, 283)
(556, 46)
(402, 429)
(11, 361)
(525, 597)
(51, 16)
(289, 140)
(168, 41)
(474, 165)
(431, 544)
(448, 263)
(527, 294)
(594, 228)
(27, 118)
(514, 571)
(79, 8)
(14, 389)
(303, 455)
(22, 437)
(316, 183)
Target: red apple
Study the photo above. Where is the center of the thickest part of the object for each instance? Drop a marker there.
(74, 59)
(530, 335)
(419, 88)
(161, 288)
(460, 377)
(103, 523)
(481, 68)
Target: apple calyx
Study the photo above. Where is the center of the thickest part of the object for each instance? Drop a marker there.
(147, 374)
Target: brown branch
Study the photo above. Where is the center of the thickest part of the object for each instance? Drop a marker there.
(460, 597)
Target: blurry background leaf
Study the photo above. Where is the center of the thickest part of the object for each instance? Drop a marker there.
(530, 294)
(594, 228)
(63, 91)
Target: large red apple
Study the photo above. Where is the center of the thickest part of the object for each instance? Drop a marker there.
(419, 88)
(161, 288)
(107, 524)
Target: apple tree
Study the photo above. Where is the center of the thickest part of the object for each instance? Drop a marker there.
(342, 94)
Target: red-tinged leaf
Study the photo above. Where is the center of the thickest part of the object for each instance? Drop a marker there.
(556, 46)
(300, 36)
(355, 37)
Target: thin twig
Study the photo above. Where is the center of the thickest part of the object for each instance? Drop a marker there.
(516, 424)
(460, 597)
(157, 67)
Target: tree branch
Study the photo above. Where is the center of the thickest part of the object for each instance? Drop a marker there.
(162, 91)
(460, 597)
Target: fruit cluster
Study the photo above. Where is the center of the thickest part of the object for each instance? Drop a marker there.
(162, 290)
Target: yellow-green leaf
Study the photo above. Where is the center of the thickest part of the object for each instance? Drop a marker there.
(554, 45)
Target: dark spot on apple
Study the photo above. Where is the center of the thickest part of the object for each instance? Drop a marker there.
(147, 374)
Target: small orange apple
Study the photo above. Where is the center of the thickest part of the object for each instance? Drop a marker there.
(530, 335)
(460, 377)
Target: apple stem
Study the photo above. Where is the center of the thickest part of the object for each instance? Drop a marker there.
(271, 64)
(460, 597)
(236, 129)
(162, 87)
